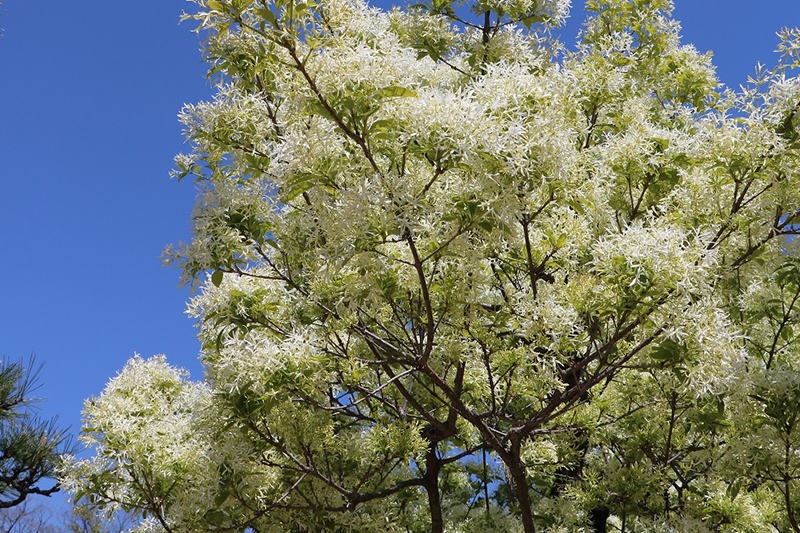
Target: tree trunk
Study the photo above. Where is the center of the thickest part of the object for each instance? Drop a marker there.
(431, 479)
(599, 517)
(521, 488)
(524, 500)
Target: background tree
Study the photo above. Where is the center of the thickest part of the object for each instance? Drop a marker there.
(461, 279)
(30, 447)
(83, 519)
(28, 517)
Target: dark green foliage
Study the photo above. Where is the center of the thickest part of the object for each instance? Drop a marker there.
(29, 446)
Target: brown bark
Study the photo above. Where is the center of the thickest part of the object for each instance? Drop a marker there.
(431, 483)
(520, 480)
(599, 517)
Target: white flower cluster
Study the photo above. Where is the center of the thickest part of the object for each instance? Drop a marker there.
(659, 255)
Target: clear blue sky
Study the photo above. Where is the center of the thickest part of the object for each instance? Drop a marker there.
(89, 93)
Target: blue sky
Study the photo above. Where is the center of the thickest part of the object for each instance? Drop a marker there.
(89, 94)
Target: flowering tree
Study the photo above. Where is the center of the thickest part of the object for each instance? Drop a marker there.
(463, 279)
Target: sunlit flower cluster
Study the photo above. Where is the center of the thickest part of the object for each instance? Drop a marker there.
(455, 279)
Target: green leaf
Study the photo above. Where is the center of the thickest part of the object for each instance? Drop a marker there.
(680, 372)
(223, 28)
(268, 15)
(214, 516)
(486, 225)
(618, 60)
(668, 351)
(396, 92)
(734, 488)
(216, 5)
(577, 206)
(300, 183)
(315, 107)
(216, 278)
